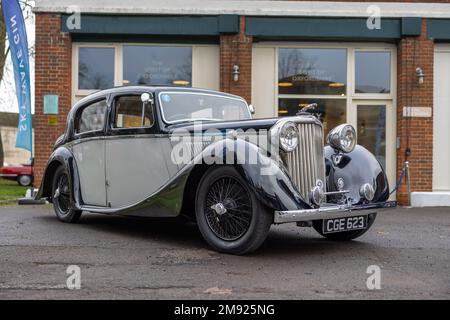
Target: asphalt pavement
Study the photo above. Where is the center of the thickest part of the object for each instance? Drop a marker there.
(125, 258)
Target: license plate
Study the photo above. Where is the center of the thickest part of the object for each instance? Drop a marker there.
(344, 224)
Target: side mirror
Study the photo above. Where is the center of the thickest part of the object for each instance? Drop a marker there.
(146, 97)
(252, 109)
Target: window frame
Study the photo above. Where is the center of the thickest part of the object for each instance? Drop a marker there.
(392, 69)
(161, 109)
(350, 96)
(352, 99)
(77, 94)
(112, 126)
(79, 112)
(122, 45)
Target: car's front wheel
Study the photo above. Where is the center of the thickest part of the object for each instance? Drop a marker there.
(61, 195)
(229, 216)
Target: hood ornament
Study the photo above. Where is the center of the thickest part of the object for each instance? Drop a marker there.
(305, 109)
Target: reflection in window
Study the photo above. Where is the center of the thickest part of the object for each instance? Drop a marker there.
(332, 112)
(201, 107)
(95, 68)
(312, 71)
(372, 130)
(373, 72)
(129, 113)
(154, 65)
(92, 117)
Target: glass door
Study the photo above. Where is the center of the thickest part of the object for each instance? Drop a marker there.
(374, 122)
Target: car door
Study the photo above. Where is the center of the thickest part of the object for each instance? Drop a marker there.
(88, 148)
(135, 161)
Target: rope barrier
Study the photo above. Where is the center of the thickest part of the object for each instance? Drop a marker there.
(399, 181)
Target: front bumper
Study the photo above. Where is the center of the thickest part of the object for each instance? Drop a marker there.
(331, 211)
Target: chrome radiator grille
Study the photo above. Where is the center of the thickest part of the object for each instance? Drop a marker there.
(306, 163)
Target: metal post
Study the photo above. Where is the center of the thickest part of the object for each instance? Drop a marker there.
(408, 182)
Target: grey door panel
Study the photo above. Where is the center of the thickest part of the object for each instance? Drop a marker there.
(135, 168)
(90, 159)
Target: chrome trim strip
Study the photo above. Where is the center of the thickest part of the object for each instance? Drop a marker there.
(8, 175)
(328, 211)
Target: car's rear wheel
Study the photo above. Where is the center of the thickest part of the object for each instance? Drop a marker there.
(346, 235)
(24, 180)
(61, 195)
(229, 216)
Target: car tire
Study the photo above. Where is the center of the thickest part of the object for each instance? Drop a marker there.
(346, 235)
(24, 180)
(229, 216)
(62, 195)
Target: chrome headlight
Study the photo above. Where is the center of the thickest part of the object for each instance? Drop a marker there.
(289, 136)
(343, 138)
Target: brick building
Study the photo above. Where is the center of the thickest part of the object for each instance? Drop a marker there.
(387, 77)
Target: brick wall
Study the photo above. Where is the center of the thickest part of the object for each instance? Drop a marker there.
(415, 133)
(52, 76)
(236, 50)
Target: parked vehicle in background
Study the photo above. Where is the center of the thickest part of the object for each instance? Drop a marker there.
(22, 173)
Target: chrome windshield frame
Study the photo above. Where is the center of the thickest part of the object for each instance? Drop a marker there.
(161, 107)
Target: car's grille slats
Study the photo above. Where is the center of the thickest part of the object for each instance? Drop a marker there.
(306, 163)
(197, 147)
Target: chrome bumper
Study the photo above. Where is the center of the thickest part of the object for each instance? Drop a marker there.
(330, 211)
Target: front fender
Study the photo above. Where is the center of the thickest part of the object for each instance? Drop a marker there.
(356, 168)
(61, 157)
(265, 175)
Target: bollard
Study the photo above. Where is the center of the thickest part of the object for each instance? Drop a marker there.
(408, 182)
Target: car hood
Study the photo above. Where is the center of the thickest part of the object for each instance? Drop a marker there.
(254, 124)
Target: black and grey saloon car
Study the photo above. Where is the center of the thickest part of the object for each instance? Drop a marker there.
(166, 152)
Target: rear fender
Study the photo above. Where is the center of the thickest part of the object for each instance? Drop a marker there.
(61, 157)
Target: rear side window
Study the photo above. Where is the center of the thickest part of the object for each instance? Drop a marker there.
(92, 117)
(132, 113)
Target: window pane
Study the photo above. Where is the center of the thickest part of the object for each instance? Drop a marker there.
(129, 113)
(372, 130)
(177, 107)
(332, 112)
(95, 68)
(152, 65)
(92, 117)
(312, 71)
(373, 72)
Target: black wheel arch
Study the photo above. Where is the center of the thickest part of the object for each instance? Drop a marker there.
(276, 191)
(61, 157)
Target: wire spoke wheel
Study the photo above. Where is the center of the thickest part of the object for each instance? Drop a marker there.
(62, 193)
(228, 208)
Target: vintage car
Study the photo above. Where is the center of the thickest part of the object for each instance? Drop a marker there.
(170, 151)
(22, 173)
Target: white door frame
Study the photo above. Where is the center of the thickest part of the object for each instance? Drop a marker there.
(391, 132)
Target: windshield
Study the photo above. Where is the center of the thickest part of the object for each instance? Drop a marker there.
(192, 106)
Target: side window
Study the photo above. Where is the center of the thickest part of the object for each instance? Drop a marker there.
(92, 117)
(132, 113)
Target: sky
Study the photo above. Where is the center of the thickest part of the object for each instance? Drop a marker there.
(8, 100)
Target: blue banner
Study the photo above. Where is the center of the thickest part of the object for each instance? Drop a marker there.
(18, 44)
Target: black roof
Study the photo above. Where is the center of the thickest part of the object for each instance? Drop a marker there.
(125, 89)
